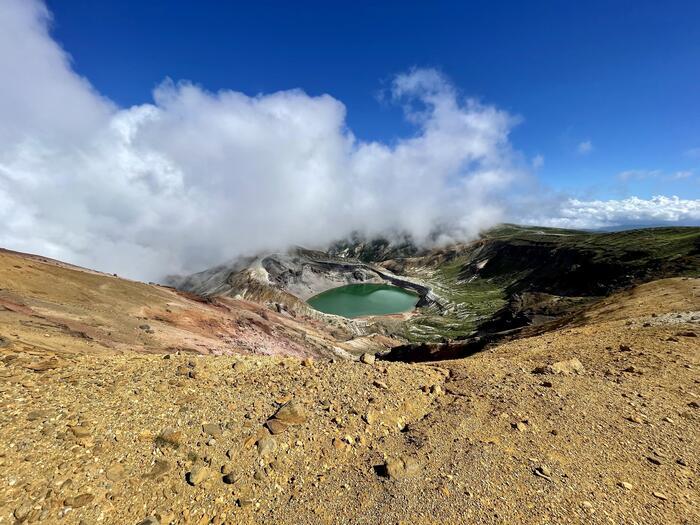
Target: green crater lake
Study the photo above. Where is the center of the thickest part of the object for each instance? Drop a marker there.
(357, 300)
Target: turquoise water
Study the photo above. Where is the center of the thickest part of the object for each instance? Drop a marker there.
(356, 300)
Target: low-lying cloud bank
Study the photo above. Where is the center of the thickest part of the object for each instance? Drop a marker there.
(630, 212)
(195, 178)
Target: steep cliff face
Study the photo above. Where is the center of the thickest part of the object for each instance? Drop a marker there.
(595, 266)
(373, 250)
(300, 273)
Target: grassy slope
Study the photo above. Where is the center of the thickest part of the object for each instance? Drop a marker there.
(628, 256)
(635, 247)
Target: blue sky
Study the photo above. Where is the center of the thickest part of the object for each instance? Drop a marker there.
(620, 76)
(154, 137)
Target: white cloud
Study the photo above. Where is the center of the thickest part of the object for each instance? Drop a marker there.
(681, 175)
(629, 175)
(639, 175)
(693, 153)
(585, 147)
(537, 161)
(196, 178)
(575, 213)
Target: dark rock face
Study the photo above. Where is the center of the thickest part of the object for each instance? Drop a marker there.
(320, 272)
(551, 269)
(425, 352)
(375, 250)
(594, 265)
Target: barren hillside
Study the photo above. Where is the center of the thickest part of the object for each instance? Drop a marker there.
(595, 422)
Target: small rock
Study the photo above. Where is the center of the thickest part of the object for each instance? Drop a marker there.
(275, 426)
(625, 485)
(149, 520)
(339, 444)
(78, 501)
(569, 367)
(266, 445)
(245, 502)
(159, 468)
(213, 429)
(197, 475)
(401, 468)
(436, 389)
(291, 413)
(23, 511)
(44, 364)
(246, 497)
(543, 472)
(170, 437)
(368, 359)
(116, 472)
(625, 348)
(520, 426)
(80, 431)
(694, 404)
(229, 478)
(40, 415)
(371, 416)
(660, 495)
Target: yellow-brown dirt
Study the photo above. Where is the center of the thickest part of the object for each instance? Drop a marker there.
(94, 432)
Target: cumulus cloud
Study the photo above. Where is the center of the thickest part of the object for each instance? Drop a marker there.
(195, 178)
(585, 147)
(595, 214)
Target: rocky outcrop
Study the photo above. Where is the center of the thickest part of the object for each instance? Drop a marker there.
(299, 273)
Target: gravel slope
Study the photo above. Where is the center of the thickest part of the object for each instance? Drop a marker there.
(521, 433)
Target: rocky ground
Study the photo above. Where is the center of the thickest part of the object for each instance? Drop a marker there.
(596, 422)
(49, 306)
